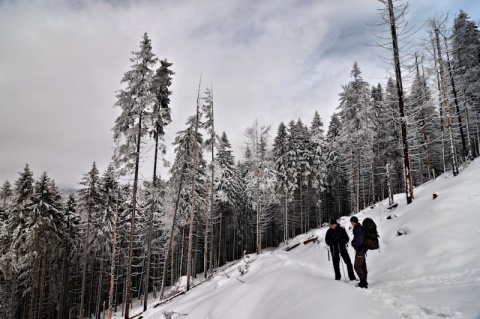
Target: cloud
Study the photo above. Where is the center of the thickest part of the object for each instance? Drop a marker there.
(61, 64)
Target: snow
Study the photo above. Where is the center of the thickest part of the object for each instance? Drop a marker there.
(433, 271)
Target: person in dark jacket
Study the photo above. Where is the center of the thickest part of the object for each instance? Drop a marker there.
(336, 238)
(360, 263)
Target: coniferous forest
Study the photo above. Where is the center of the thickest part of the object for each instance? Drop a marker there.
(94, 251)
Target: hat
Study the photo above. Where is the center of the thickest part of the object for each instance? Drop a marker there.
(333, 221)
(354, 219)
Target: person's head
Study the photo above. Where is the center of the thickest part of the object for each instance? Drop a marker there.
(333, 223)
(354, 220)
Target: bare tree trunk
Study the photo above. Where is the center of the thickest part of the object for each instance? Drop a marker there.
(195, 250)
(440, 107)
(42, 285)
(470, 146)
(173, 270)
(132, 222)
(457, 107)
(13, 303)
(85, 265)
(182, 250)
(205, 253)
(426, 138)
(170, 244)
(389, 186)
(99, 290)
(359, 177)
(398, 75)
(64, 282)
(112, 267)
(302, 213)
(33, 293)
(354, 183)
(285, 233)
(446, 102)
(150, 226)
(220, 239)
(212, 193)
(194, 173)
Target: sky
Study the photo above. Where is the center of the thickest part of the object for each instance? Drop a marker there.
(430, 272)
(61, 63)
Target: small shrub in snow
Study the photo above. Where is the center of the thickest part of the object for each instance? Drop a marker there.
(243, 269)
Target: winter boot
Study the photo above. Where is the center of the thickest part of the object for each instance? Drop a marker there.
(362, 284)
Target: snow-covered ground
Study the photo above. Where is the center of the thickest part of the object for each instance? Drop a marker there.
(431, 272)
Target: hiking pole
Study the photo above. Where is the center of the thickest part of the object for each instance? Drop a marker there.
(341, 260)
(328, 251)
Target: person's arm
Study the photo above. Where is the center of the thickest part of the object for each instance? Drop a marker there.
(345, 239)
(358, 238)
(328, 238)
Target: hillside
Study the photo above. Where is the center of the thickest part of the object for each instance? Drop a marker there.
(431, 272)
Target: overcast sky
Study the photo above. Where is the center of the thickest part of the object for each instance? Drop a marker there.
(61, 63)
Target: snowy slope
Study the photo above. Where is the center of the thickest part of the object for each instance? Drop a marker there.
(431, 272)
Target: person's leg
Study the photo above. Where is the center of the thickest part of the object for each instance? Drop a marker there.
(365, 271)
(348, 262)
(360, 266)
(336, 263)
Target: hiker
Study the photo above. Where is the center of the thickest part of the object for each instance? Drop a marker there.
(360, 263)
(336, 238)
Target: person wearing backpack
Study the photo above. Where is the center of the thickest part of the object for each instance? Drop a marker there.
(360, 263)
(336, 238)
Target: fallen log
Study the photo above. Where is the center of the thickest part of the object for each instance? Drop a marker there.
(292, 247)
(313, 239)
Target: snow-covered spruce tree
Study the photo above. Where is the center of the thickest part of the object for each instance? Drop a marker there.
(90, 203)
(70, 257)
(336, 193)
(102, 224)
(182, 173)
(196, 153)
(230, 225)
(16, 271)
(47, 228)
(284, 186)
(123, 244)
(37, 226)
(294, 152)
(160, 118)
(135, 100)
(6, 194)
(387, 147)
(393, 146)
(422, 128)
(382, 132)
(260, 179)
(209, 145)
(356, 137)
(300, 146)
(465, 43)
(247, 216)
(160, 230)
(318, 167)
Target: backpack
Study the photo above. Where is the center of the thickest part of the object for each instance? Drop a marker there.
(371, 234)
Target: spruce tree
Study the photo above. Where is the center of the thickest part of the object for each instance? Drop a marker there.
(318, 164)
(284, 186)
(90, 203)
(130, 127)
